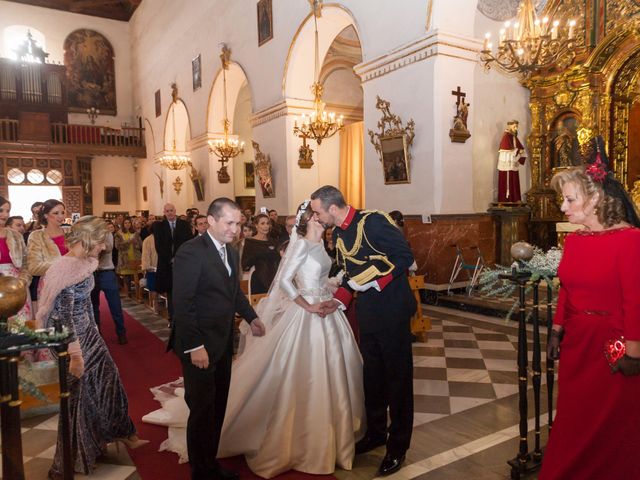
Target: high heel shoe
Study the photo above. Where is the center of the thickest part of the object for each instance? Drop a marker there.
(131, 443)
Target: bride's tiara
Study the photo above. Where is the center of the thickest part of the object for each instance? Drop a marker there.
(301, 210)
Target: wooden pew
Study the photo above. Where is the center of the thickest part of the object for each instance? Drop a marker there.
(420, 324)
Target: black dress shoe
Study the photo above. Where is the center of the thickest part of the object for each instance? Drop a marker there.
(390, 464)
(221, 473)
(369, 443)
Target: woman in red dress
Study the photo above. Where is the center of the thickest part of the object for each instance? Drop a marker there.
(596, 433)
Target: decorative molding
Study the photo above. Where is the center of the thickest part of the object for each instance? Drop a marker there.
(296, 106)
(432, 44)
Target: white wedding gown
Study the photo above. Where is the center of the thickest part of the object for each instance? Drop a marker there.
(296, 398)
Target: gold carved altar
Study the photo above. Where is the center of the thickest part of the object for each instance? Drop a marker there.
(598, 94)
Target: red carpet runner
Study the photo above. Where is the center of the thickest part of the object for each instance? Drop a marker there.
(143, 364)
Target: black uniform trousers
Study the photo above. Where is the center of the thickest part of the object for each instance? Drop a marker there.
(388, 384)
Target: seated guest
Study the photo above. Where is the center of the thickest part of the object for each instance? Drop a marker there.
(261, 252)
(16, 223)
(99, 410)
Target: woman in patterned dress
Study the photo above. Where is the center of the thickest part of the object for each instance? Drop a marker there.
(13, 261)
(98, 402)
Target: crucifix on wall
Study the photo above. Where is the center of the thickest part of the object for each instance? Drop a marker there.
(459, 133)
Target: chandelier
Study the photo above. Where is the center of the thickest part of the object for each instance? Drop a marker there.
(172, 159)
(530, 44)
(225, 148)
(320, 124)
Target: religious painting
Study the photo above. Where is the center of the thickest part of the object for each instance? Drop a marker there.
(265, 21)
(112, 195)
(394, 159)
(564, 146)
(249, 176)
(158, 104)
(89, 60)
(196, 74)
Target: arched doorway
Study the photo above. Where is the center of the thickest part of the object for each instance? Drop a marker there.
(339, 159)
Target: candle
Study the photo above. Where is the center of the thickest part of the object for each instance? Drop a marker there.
(487, 36)
(507, 26)
(572, 24)
(545, 25)
(503, 34)
(554, 30)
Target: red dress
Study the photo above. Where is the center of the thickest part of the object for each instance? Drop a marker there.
(596, 433)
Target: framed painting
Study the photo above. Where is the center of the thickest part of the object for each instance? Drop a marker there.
(158, 104)
(249, 175)
(395, 165)
(265, 21)
(112, 195)
(91, 75)
(196, 73)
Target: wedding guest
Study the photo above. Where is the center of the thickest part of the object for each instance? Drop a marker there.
(34, 223)
(45, 245)
(129, 246)
(261, 252)
(98, 403)
(16, 223)
(201, 224)
(106, 281)
(13, 261)
(595, 433)
(149, 263)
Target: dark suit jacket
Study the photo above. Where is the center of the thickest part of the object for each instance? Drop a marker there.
(205, 299)
(167, 246)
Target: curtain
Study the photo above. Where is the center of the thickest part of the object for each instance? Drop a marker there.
(352, 164)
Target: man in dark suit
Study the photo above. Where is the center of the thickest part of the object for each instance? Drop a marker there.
(375, 257)
(168, 235)
(206, 297)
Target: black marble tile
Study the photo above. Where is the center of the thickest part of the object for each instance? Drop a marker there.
(473, 363)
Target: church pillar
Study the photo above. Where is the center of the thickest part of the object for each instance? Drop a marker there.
(418, 79)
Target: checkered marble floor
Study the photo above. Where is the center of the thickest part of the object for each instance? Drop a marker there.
(463, 366)
(468, 364)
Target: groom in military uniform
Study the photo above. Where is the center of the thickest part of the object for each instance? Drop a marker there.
(375, 257)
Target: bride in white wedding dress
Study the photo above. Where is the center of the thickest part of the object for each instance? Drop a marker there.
(296, 398)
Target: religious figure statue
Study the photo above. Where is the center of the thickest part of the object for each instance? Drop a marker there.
(511, 155)
(460, 133)
(562, 146)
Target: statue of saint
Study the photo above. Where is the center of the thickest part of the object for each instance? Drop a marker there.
(562, 146)
(511, 155)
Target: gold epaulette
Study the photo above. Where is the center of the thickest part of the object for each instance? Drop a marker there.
(371, 272)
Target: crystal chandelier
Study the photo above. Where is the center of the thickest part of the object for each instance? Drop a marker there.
(320, 124)
(530, 44)
(225, 148)
(172, 159)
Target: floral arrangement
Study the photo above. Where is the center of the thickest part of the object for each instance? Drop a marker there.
(542, 266)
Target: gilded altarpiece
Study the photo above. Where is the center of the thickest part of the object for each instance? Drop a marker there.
(596, 95)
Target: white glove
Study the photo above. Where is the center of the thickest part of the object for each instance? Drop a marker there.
(363, 288)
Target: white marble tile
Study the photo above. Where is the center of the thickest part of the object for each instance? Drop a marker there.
(482, 330)
(437, 362)
(105, 471)
(458, 404)
(422, 418)
(468, 375)
(459, 336)
(489, 345)
(501, 365)
(49, 424)
(431, 387)
(48, 453)
(504, 390)
(453, 352)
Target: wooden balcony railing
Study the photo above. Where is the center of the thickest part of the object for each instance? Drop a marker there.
(62, 133)
(8, 130)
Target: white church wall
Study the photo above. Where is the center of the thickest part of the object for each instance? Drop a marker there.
(109, 171)
(56, 25)
(242, 128)
(498, 98)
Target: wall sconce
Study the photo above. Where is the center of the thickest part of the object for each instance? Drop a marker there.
(93, 112)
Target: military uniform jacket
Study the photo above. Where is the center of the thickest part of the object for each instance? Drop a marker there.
(369, 247)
